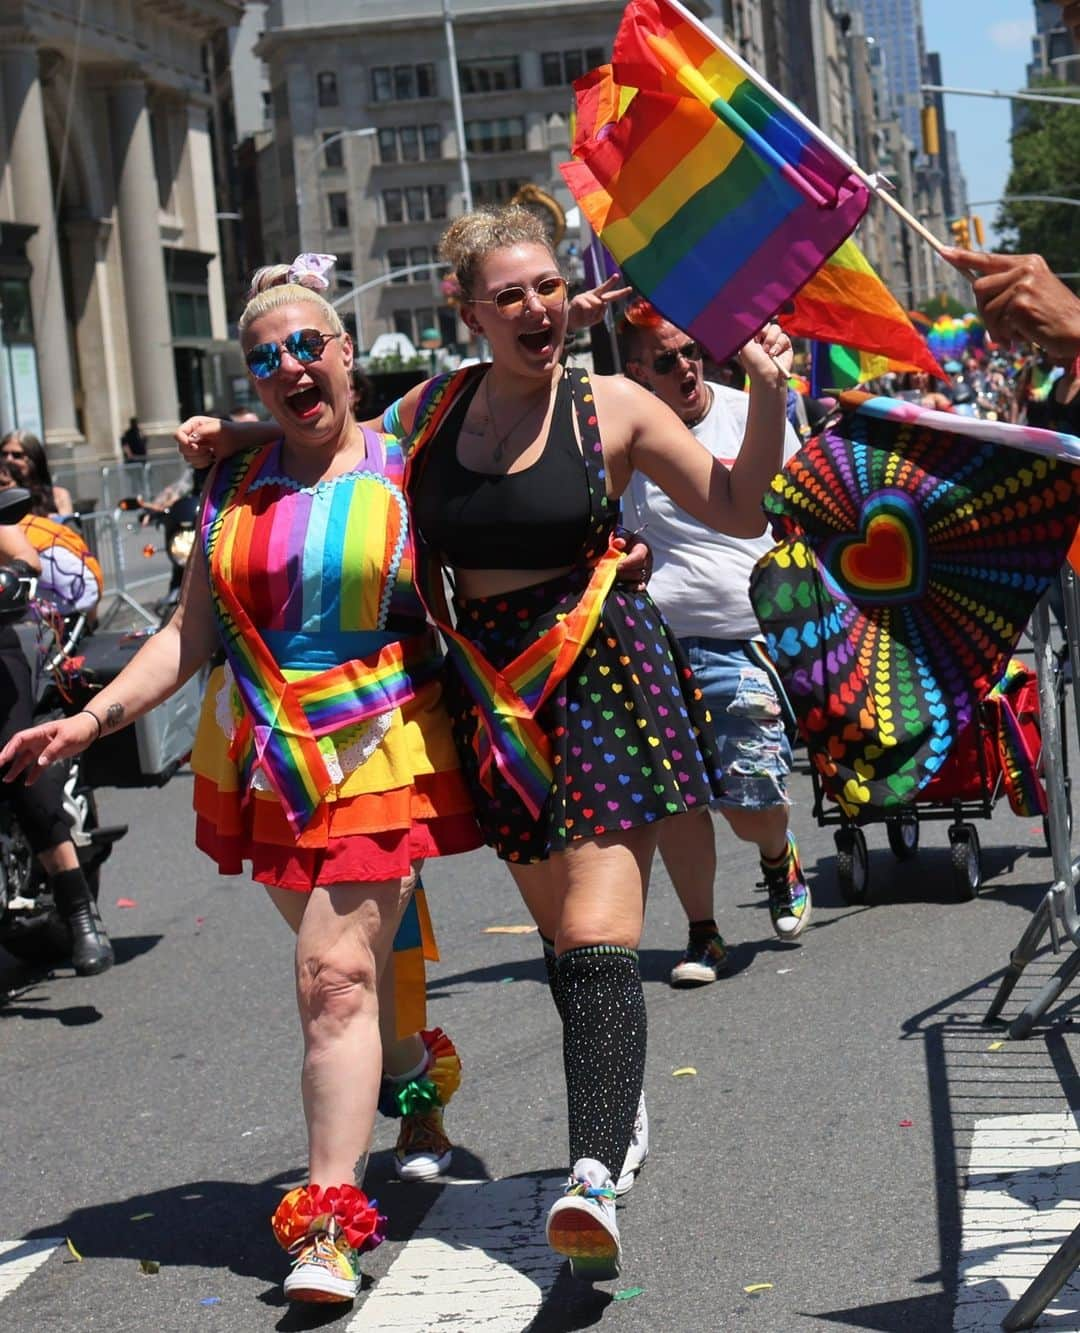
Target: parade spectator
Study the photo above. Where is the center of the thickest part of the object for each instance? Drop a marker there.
(701, 582)
(133, 442)
(1021, 300)
(39, 805)
(25, 456)
(334, 815)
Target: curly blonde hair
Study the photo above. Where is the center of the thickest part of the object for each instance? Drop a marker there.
(469, 240)
(271, 288)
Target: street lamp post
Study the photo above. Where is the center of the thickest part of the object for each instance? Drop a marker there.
(459, 118)
(321, 145)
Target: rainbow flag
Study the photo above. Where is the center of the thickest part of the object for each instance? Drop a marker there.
(708, 189)
(846, 302)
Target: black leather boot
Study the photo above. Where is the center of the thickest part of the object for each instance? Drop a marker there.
(91, 951)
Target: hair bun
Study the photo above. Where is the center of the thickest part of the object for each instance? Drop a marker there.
(270, 275)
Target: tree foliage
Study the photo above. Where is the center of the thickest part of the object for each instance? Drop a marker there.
(1045, 160)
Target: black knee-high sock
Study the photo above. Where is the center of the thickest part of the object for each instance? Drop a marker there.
(552, 969)
(604, 1032)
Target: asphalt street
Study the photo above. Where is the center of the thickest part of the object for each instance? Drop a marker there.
(808, 1174)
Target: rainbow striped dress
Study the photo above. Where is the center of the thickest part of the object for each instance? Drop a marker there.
(324, 754)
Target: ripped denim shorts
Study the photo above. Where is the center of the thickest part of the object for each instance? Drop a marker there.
(748, 719)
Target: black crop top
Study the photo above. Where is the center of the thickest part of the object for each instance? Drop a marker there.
(534, 519)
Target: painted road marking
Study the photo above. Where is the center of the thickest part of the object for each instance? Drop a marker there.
(1022, 1200)
(20, 1258)
(478, 1261)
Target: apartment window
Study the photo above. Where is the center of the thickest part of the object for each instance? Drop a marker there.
(560, 67)
(382, 84)
(425, 319)
(393, 205)
(333, 153)
(493, 75)
(326, 88)
(414, 203)
(388, 146)
(418, 255)
(409, 139)
(425, 80)
(432, 138)
(338, 207)
(403, 322)
(396, 259)
(496, 191)
(436, 198)
(343, 265)
(495, 136)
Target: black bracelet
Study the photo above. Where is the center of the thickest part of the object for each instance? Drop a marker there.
(96, 719)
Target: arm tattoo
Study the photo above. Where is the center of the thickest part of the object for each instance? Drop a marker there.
(114, 716)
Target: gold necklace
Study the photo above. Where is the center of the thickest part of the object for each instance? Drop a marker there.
(502, 440)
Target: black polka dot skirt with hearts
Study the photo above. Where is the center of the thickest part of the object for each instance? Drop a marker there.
(631, 736)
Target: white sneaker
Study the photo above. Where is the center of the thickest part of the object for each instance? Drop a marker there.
(323, 1272)
(582, 1223)
(423, 1151)
(637, 1152)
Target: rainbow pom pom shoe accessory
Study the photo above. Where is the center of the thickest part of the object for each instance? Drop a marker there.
(325, 1229)
(582, 1225)
(423, 1150)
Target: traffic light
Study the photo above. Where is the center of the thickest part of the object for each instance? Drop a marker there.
(980, 234)
(961, 233)
(930, 141)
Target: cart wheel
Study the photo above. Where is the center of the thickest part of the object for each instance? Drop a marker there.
(903, 834)
(852, 865)
(966, 863)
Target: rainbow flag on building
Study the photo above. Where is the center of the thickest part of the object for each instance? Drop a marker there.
(712, 193)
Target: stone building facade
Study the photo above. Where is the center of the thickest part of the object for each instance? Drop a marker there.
(110, 278)
(380, 196)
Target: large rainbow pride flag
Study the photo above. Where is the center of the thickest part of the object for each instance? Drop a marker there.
(714, 197)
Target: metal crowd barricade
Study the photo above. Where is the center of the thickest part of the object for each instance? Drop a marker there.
(122, 479)
(104, 536)
(1057, 914)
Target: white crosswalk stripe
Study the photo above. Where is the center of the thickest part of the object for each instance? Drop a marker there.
(1022, 1200)
(477, 1264)
(20, 1258)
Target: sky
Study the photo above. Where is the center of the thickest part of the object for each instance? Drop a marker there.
(983, 44)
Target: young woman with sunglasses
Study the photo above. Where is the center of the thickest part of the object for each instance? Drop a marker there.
(324, 756)
(24, 453)
(577, 719)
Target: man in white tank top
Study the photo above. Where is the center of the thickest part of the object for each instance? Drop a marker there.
(701, 583)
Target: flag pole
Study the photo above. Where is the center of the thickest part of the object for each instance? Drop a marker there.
(869, 179)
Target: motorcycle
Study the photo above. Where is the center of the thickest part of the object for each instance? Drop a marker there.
(179, 521)
(31, 929)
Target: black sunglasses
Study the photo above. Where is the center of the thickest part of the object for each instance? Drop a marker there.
(664, 364)
(303, 345)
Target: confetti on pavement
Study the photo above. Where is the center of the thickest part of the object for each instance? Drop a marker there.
(687, 1071)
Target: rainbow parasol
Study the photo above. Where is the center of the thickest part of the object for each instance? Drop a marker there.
(913, 546)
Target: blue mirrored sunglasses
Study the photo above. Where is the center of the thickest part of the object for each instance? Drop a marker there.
(303, 345)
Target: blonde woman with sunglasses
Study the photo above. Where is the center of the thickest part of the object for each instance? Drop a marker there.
(324, 757)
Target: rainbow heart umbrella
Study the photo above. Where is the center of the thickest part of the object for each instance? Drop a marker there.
(912, 549)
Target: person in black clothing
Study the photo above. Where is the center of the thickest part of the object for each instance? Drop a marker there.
(39, 808)
(133, 442)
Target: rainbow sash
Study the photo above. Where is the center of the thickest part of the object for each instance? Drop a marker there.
(283, 719)
(508, 737)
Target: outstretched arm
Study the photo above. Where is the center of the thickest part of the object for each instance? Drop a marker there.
(206, 440)
(1020, 299)
(167, 659)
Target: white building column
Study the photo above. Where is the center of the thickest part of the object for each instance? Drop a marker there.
(31, 186)
(146, 297)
